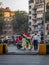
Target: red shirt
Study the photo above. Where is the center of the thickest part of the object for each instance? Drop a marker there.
(17, 40)
(20, 37)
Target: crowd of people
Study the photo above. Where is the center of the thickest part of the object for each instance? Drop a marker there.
(32, 41)
(28, 41)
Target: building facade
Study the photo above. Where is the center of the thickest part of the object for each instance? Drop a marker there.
(36, 11)
(8, 17)
(47, 22)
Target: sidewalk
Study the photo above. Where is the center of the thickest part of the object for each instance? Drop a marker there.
(13, 50)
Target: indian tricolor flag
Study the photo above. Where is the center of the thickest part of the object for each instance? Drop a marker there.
(27, 37)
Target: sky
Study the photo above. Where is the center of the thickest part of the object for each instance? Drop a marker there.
(15, 4)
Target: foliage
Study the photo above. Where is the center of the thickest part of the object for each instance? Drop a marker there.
(20, 22)
(1, 13)
(47, 6)
(47, 13)
(47, 16)
(0, 3)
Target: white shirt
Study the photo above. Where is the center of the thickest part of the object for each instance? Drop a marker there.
(39, 39)
(35, 37)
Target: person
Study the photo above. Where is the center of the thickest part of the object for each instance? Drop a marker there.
(5, 41)
(23, 42)
(26, 41)
(20, 37)
(35, 41)
(39, 38)
(13, 40)
(0, 41)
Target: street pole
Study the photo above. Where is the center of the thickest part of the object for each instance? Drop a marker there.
(44, 21)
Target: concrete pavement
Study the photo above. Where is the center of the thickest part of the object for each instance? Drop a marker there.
(13, 50)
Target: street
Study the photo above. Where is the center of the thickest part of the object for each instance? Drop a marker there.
(24, 60)
(13, 49)
(24, 32)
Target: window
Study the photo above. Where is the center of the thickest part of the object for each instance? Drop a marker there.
(39, 12)
(34, 19)
(9, 32)
(29, 23)
(29, 7)
(29, 12)
(29, 17)
(29, 29)
(9, 27)
(48, 32)
(47, 26)
(37, 1)
(35, 16)
(41, 1)
(5, 32)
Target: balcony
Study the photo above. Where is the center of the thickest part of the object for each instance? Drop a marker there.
(35, 29)
(40, 9)
(35, 24)
(34, 18)
(34, 13)
(31, 1)
(40, 16)
(39, 22)
(47, 28)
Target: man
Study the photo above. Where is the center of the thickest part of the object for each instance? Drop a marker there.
(35, 41)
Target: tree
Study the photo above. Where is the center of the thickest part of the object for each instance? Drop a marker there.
(47, 13)
(1, 14)
(47, 6)
(20, 22)
(0, 3)
(47, 16)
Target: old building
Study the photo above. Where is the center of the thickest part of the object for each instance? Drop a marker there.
(36, 12)
(47, 21)
(8, 17)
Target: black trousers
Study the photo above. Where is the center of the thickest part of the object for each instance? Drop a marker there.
(35, 43)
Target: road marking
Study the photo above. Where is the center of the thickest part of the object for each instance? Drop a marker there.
(22, 62)
(11, 57)
(20, 59)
